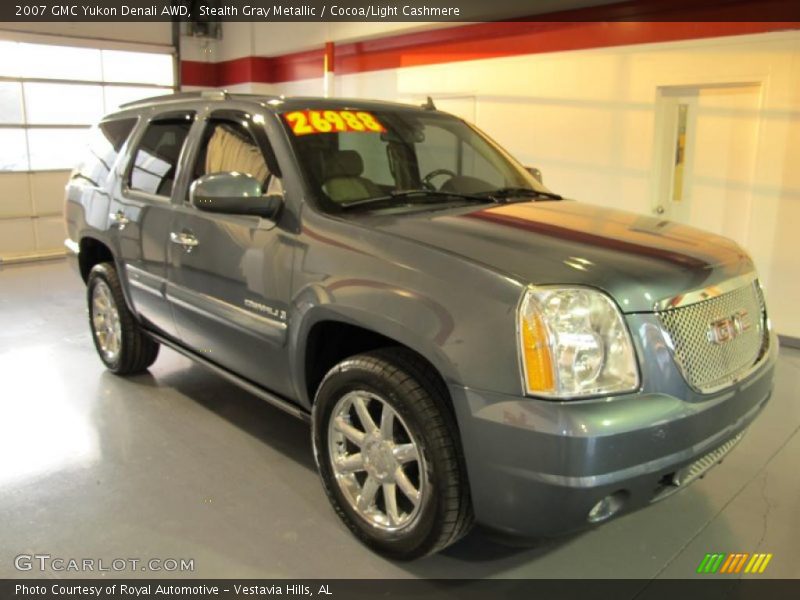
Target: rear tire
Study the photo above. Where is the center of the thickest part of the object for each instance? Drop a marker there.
(388, 451)
(122, 345)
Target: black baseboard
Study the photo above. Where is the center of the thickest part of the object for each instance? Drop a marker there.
(789, 341)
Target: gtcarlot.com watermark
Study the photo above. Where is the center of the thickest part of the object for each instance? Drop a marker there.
(45, 563)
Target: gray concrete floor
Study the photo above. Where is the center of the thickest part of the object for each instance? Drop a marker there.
(178, 463)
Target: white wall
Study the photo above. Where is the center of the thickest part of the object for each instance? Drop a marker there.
(140, 33)
(31, 203)
(271, 39)
(587, 119)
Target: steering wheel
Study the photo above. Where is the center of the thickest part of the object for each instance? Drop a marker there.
(427, 180)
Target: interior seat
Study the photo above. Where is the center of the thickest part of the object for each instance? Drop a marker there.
(342, 180)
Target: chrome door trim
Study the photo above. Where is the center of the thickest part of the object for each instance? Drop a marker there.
(146, 288)
(185, 239)
(226, 313)
(118, 219)
(142, 280)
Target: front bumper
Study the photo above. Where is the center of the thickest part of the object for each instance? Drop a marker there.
(537, 467)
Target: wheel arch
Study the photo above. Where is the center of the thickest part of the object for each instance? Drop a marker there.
(93, 251)
(327, 334)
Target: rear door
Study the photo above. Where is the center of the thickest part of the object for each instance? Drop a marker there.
(90, 188)
(230, 275)
(143, 214)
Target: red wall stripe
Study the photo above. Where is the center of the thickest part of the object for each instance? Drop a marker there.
(329, 57)
(299, 65)
(199, 73)
(467, 42)
(256, 69)
(494, 40)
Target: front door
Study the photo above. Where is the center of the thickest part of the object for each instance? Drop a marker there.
(707, 148)
(229, 275)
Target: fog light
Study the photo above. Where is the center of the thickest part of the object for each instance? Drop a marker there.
(607, 507)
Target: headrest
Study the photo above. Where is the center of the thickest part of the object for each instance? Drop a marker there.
(343, 163)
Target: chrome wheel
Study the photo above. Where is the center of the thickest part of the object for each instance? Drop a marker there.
(376, 461)
(106, 322)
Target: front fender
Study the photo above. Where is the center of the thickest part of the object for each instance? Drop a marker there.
(455, 312)
(418, 322)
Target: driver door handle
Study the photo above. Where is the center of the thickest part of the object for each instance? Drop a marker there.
(185, 239)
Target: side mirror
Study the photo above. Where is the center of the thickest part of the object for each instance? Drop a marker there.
(537, 174)
(234, 194)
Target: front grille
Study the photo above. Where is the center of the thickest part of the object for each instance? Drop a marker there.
(708, 366)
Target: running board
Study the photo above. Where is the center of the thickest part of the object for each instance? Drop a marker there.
(246, 385)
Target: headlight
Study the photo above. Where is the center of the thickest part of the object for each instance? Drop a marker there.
(574, 343)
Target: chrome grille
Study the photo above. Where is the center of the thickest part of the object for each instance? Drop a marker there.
(708, 366)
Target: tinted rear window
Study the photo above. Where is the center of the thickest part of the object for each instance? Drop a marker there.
(155, 162)
(105, 142)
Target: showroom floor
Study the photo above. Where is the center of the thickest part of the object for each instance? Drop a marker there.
(180, 464)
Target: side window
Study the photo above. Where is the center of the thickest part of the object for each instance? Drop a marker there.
(105, 142)
(230, 146)
(155, 161)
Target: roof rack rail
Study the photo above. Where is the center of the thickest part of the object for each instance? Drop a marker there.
(180, 96)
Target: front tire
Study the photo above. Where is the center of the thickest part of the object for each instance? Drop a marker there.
(389, 455)
(121, 344)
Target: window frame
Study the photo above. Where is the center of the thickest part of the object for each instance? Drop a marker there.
(240, 117)
(134, 141)
(120, 156)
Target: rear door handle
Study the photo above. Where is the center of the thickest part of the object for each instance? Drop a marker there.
(118, 219)
(185, 239)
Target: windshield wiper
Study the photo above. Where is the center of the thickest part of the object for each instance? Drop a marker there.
(425, 195)
(511, 192)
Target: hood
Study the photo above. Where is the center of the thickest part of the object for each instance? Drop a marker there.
(637, 259)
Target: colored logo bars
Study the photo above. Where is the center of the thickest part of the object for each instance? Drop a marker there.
(736, 562)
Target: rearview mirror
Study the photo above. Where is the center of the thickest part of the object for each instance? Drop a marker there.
(537, 174)
(234, 194)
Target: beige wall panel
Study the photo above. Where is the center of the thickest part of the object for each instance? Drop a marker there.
(17, 237)
(50, 233)
(15, 197)
(47, 190)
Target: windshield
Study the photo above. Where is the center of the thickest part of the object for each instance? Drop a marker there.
(384, 159)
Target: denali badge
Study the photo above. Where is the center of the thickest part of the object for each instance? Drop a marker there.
(272, 312)
(724, 330)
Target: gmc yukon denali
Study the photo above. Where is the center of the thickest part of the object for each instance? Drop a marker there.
(468, 346)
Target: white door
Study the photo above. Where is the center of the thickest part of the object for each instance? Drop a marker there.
(707, 138)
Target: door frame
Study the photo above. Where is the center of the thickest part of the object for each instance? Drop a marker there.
(665, 133)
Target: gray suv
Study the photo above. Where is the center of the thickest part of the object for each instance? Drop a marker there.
(467, 345)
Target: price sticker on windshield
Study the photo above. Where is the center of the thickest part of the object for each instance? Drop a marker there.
(304, 122)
